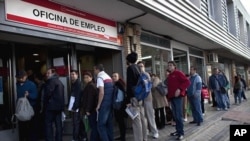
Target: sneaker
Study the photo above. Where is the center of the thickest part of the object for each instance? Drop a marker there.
(185, 119)
(218, 109)
(174, 134)
(203, 114)
(225, 109)
(155, 135)
(181, 137)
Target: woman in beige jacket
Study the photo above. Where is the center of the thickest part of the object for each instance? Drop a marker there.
(159, 103)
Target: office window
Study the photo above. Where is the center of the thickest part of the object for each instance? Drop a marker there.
(241, 27)
(231, 17)
(248, 34)
(196, 3)
(215, 11)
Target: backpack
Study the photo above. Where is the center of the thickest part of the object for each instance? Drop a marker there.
(162, 89)
(143, 87)
(24, 111)
(118, 98)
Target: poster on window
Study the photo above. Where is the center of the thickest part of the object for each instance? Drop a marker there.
(1, 90)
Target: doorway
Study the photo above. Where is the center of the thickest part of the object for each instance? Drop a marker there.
(7, 97)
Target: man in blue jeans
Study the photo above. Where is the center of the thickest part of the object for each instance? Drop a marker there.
(177, 84)
(104, 106)
(194, 96)
(216, 81)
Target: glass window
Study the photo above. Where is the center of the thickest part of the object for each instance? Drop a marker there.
(155, 60)
(199, 64)
(180, 58)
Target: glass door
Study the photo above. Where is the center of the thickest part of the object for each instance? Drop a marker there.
(181, 60)
(7, 98)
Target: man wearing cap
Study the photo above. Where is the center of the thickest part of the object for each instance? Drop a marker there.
(139, 123)
(26, 88)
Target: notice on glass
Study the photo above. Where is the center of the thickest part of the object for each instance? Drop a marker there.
(71, 103)
(58, 62)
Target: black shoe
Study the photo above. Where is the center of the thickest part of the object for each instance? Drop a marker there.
(192, 122)
(198, 123)
(118, 138)
(174, 134)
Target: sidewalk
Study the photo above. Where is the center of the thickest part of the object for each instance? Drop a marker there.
(214, 128)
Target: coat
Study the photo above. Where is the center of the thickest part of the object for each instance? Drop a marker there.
(159, 101)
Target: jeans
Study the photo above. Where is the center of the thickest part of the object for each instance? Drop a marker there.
(177, 110)
(53, 116)
(105, 122)
(195, 103)
(78, 127)
(94, 135)
(238, 96)
(221, 99)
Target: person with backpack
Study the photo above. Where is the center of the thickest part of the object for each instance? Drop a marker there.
(53, 106)
(120, 114)
(139, 123)
(104, 105)
(27, 88)
(76, 95)
(177, 85)
(148, 106)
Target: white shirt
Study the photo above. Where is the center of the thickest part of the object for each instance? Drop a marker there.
(101, 78)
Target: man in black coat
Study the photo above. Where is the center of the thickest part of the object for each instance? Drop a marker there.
(53, 105)
(76, 95)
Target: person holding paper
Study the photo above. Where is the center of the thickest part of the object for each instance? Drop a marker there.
(75, 99)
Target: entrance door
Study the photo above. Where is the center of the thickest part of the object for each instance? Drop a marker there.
(7, 98)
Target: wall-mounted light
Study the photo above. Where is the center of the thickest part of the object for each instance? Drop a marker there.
(35, 54)
(37, 61)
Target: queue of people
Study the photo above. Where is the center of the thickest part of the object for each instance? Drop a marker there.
(92, 100)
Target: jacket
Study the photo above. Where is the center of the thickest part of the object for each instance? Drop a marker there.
(54, 94)
(76, 91)
(215, 80)
(196, 85)
(132, 79)
(89, 98)
(177, 80)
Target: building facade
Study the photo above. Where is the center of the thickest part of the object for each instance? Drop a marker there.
(36, 35)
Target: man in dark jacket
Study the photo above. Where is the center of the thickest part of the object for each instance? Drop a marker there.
(139, 123)
(53, 105)
(26, 88)
(76, 94)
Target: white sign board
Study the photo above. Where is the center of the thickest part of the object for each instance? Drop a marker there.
(69, 21)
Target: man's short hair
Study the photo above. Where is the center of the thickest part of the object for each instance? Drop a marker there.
(99, 67)
(172, 62)
(75, 71)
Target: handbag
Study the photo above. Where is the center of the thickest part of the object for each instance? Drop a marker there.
(205, 93)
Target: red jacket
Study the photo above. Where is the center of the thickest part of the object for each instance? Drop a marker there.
(177, 80)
